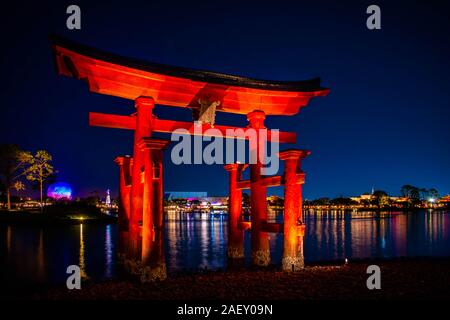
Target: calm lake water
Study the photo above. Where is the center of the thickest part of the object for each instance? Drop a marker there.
(32, 254)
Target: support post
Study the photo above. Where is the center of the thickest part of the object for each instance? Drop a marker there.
(144, 107)
(260, 252)
(125, 167)
(235, 234)
(293, 257)
(153, 260)
(159, 259)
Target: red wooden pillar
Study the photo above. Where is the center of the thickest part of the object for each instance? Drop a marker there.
(144, 107)
(158, 190)
(260, 253)
(125, 164)
(158, 210)
(153, 262)
(235, 234)
(293, 258)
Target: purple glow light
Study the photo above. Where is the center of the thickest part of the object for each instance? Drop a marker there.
(59, 190)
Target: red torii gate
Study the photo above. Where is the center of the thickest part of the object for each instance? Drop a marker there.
(141, 220)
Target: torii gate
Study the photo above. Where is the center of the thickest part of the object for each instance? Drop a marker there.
(141, 222)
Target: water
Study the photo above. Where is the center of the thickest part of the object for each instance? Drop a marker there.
(34, 254)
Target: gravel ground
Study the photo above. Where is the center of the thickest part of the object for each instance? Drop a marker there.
(400, 279)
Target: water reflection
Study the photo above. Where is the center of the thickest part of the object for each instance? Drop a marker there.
(337, 235)
(41, 254)
(40, 257)
(81, 263)
(31, 254)
(8, 238)
(108, 252)
(196, 244)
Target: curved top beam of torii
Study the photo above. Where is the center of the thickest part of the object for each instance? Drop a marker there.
(114, 75)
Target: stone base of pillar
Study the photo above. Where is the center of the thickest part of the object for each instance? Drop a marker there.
(154, 273)
(130, 266)
(261, 258)
(291, 264)
(236, 258)
(134, 267)
(236, 252)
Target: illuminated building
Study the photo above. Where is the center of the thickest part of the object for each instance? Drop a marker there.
(170, 195)
(59, 190)
(108, 198)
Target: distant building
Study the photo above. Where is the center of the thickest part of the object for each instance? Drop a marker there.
(445, 200)
(363, 197)
(108, 198)
(215, 201)
(275, 201)
(171, 195)
(59, 191)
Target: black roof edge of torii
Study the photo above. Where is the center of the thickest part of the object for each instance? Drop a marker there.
(311, 85)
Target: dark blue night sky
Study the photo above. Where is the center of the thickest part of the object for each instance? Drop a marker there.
(384, 124)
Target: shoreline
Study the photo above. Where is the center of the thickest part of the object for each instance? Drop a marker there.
(38, 218)
(401, 278)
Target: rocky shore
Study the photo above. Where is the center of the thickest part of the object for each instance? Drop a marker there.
(400, 279)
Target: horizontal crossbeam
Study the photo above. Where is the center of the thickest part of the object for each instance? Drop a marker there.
(168, 126)
(270, 181)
